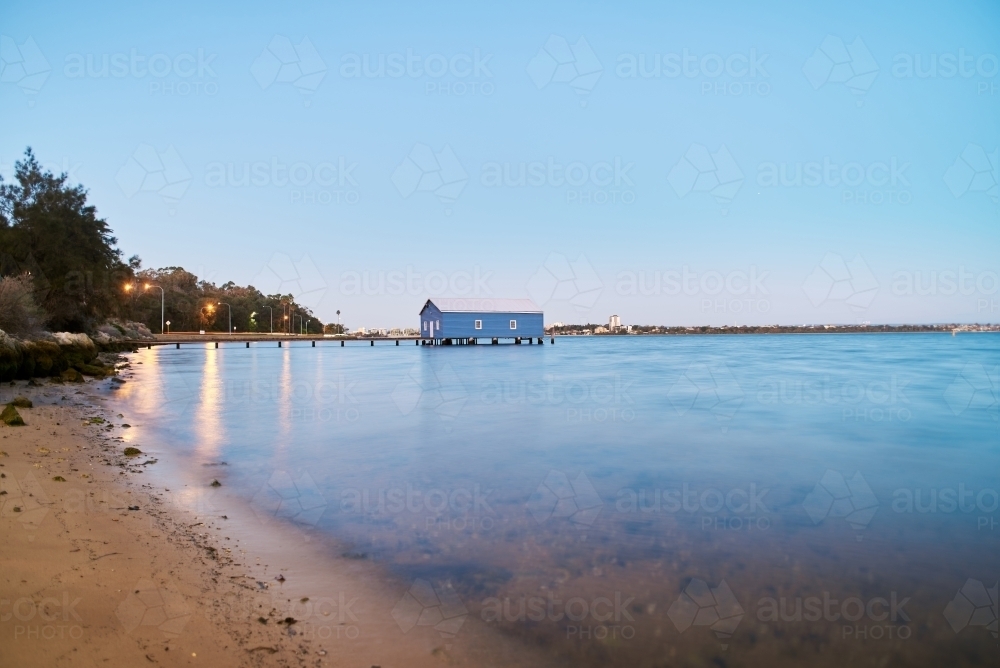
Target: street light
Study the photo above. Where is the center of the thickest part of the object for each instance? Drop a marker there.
(271, 310)
(163, 299)
(294, 316)
(230, 316)
(168, 326)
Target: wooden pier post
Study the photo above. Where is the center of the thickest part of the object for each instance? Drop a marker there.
(178, 346)
(314, 344)
(248, 344)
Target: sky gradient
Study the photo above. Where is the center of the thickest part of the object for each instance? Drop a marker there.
(671, 163)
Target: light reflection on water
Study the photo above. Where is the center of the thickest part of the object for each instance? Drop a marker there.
(651, 469)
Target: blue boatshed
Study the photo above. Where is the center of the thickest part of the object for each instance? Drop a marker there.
(467, 321)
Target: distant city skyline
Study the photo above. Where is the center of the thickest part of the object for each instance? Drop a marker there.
(671, 164)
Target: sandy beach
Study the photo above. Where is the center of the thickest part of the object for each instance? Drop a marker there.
(102, 567)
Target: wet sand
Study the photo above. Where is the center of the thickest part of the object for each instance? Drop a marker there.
(102, 566)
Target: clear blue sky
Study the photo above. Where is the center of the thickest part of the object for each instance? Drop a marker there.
(651, 136)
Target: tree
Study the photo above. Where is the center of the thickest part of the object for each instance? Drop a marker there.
(19, 314)
(47, 229)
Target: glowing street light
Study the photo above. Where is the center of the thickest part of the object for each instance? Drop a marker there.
(271, 311)
(163, 298)
(230, 316)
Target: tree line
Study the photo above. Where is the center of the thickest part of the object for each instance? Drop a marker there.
(62, 270)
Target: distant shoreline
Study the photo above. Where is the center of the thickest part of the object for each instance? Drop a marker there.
(592, 330)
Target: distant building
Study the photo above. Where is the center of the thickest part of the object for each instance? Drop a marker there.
(466, 320)
(614, 323)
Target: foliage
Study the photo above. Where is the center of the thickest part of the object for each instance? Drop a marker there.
(79, 280)
(191, 304)
(47, 229)
(19, 314)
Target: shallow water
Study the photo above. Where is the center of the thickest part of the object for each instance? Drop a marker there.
(743, 500)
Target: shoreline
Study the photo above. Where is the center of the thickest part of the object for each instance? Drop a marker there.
(108, 562)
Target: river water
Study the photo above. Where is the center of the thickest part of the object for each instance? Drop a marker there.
(703, 500)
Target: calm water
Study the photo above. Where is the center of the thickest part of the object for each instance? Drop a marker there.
(778, 500)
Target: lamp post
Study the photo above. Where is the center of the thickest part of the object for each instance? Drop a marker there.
(271, 311)
(294, 316)
(307, 325)
(230, 332)
(163, 299)
(168, 326)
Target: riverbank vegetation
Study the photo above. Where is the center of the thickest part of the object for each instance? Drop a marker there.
(61, 270)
